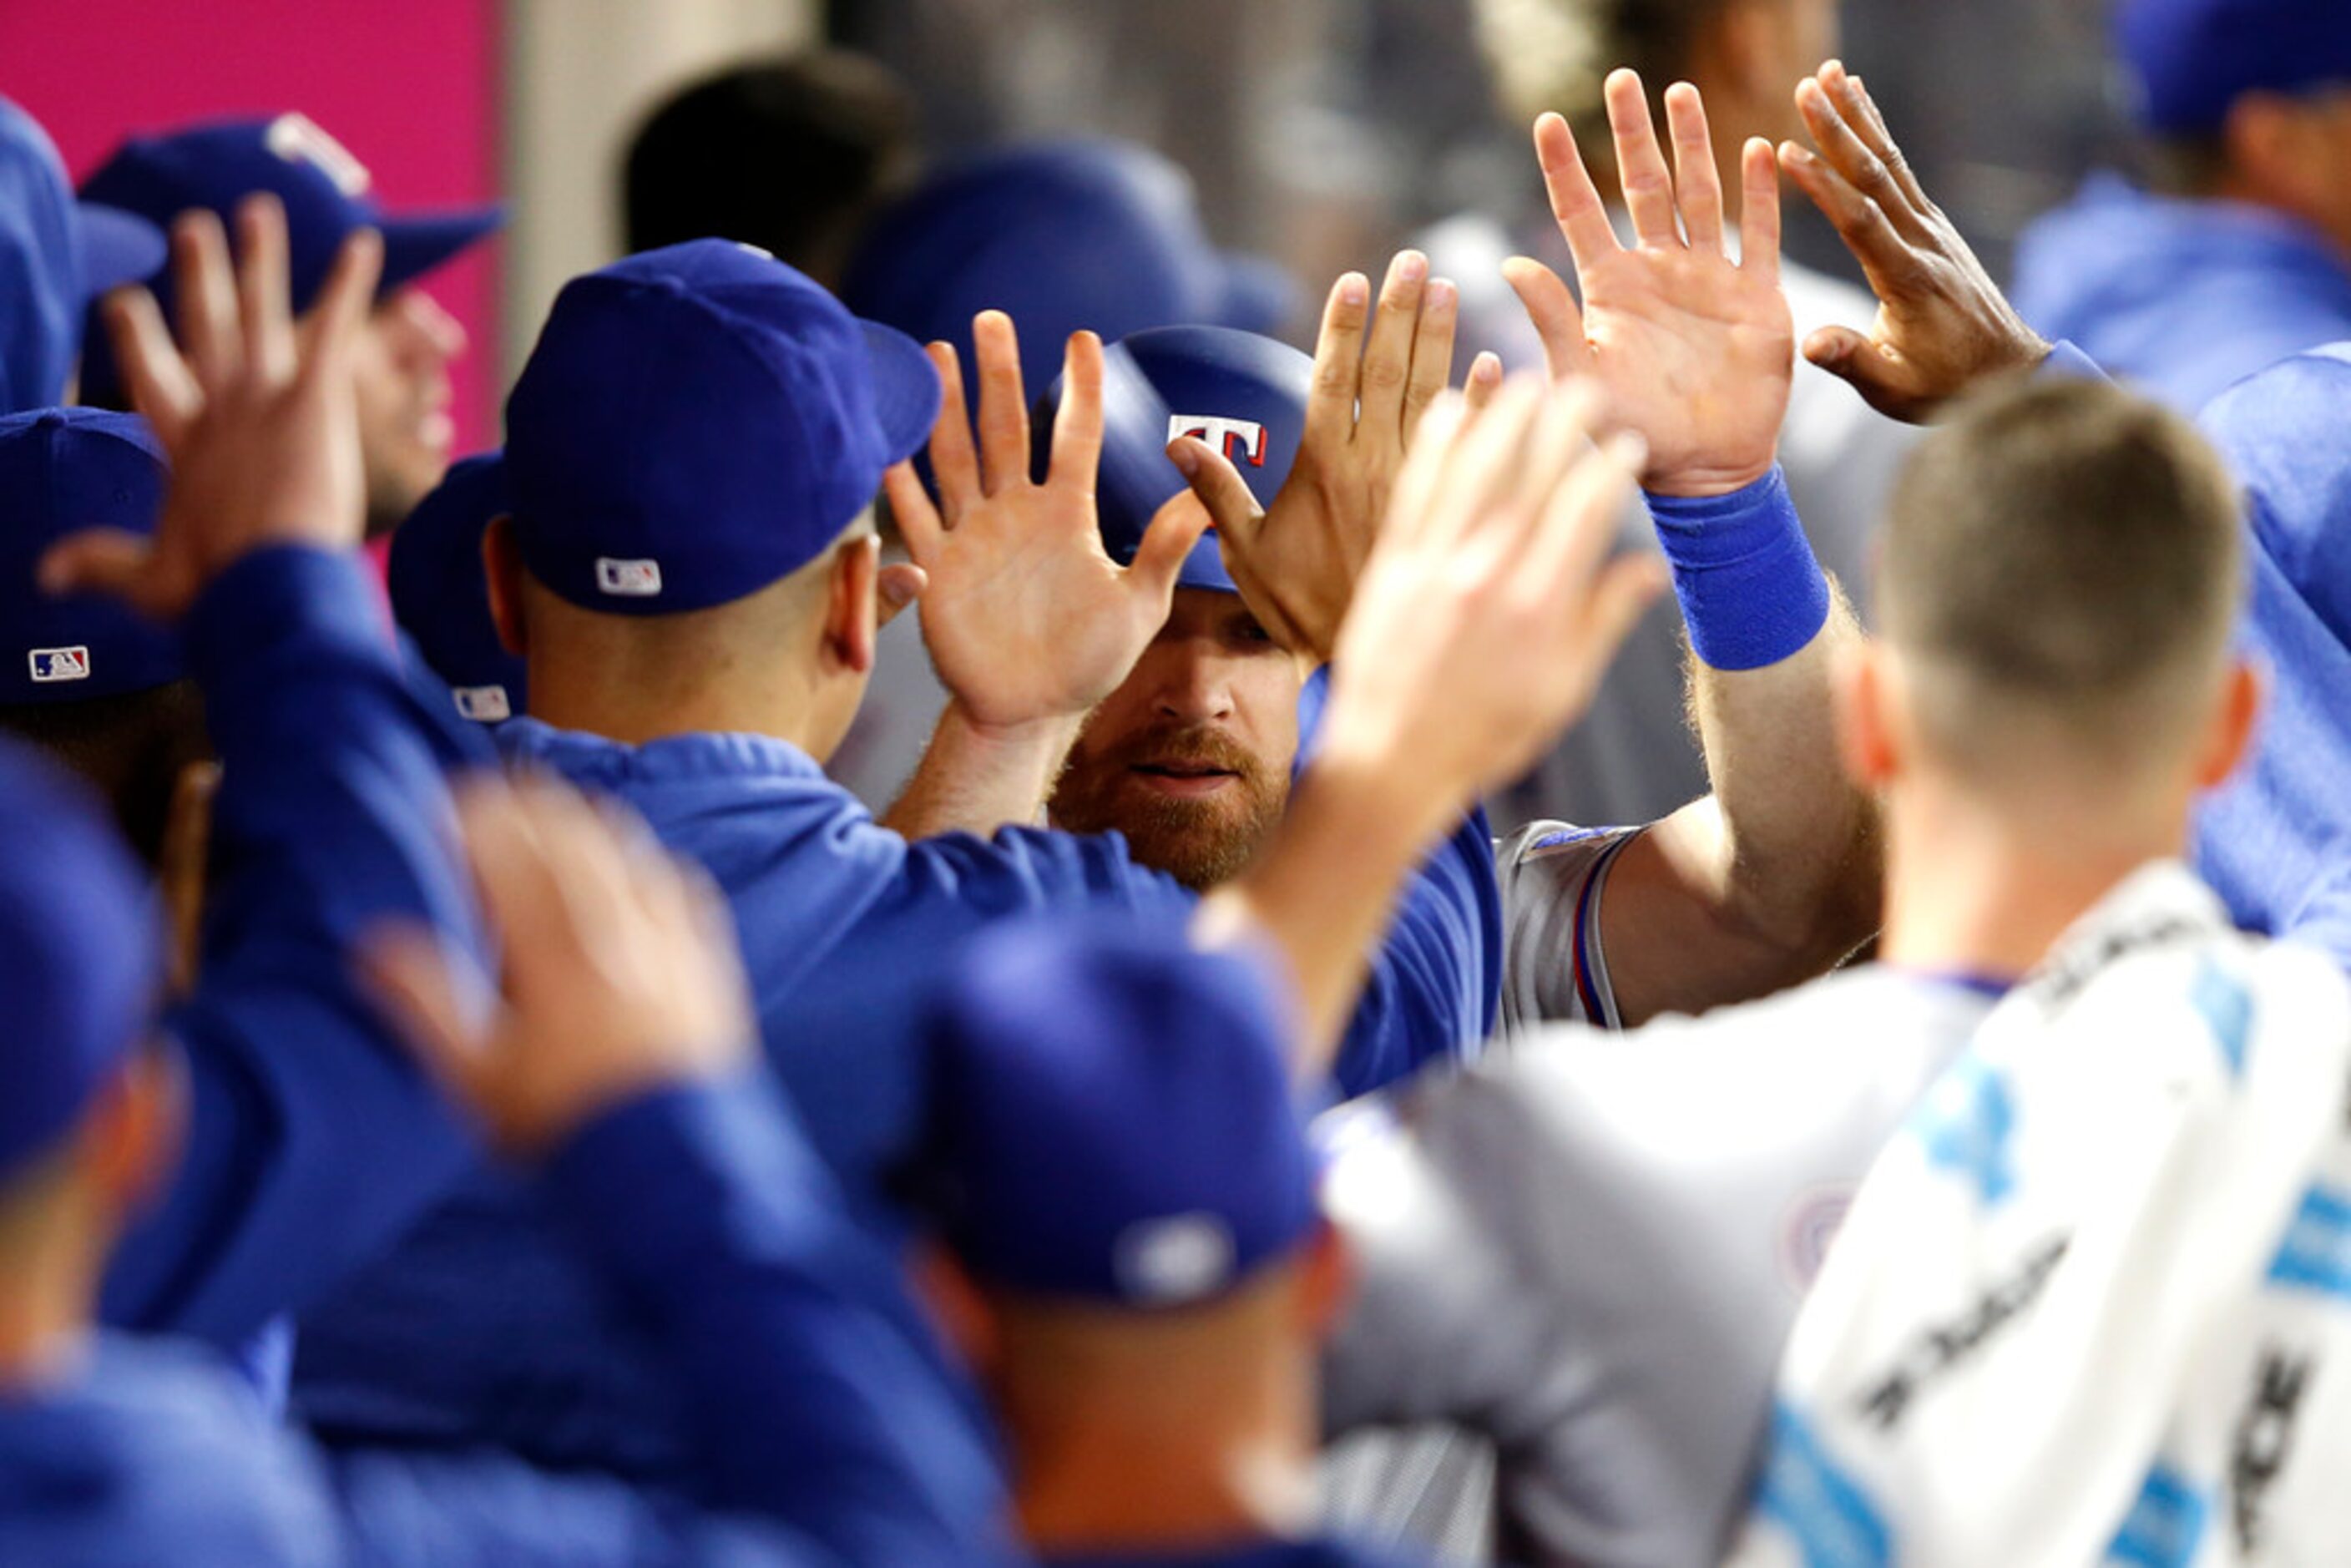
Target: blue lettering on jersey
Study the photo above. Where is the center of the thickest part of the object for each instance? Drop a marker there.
(2316, 1255)
(2228, 1009)
(2164, 1525)
(1966, 1123)
(1824, 1511)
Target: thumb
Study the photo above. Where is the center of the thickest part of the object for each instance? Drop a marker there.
(1166, 544)
(98, 560)
(409, 974)
(1231, 505)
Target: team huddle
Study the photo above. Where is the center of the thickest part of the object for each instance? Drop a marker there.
(903, 932)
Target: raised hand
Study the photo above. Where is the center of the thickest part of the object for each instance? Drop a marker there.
(1027, 617)
(1491, 608)
(1694, 351)
(1296, 563)
(622, 971)
(258, 415)
(1942, 323)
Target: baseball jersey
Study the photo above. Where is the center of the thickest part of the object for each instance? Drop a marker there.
(480, 1330)
(1323, 1553)
(1554, 964)
(1589, 1246)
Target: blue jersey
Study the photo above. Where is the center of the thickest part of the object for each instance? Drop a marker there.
(2276, 842)
(816, 1425)
(2183, 298)
(480, 1330)
(1325, 1554)
(313, 1140)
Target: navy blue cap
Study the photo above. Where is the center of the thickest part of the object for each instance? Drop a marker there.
(1116, 1116)
(79, 947)
(699, 422)
(63, 470)
(441, 590)
(2194, 59)
(326, 193)
(57, 254)
(1238, 393)
(1062, 236)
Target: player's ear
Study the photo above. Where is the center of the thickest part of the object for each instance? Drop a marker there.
(2236, 717)
(502, 567)
(1327, 1282)
(130, 1140)
(1863, 694)
(956, 1305)
(851, 607)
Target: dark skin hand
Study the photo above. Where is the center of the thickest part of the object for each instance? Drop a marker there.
(1943, 326)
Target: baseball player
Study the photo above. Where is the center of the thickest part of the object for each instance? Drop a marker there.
(1593, 1248)
(434, 570)
(1134, 1261)
(57, 255)
(690, 576)
(409, 341)
(685, 1177)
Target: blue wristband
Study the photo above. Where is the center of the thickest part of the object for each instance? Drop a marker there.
(1751, 593)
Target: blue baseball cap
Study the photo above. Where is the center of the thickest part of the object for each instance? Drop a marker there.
(2193, 59)
(79, 947)
(1234, 391)
(1116, 1120)
(698, 421)
(63, 470)
(441, 590)
(325, 189)
(57, 256)
(1062, 236)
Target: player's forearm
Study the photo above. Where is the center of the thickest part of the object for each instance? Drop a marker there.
(1325, 888)
(975, 779)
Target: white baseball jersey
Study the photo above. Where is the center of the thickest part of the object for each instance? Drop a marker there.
(1589, 1246)
(1554, 964)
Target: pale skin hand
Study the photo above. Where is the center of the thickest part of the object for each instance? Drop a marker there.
(1376, 374)
(1486, 616)
(622, 971)
(1696, 352)
(1943, 325)
(1026, 615)
(258, 414)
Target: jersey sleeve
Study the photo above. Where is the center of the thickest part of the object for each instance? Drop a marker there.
(313, 1138)
(1556, 967)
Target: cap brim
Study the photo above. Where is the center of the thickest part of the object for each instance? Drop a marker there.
(906, 393)
(117, 248)
(416, 242)
(1258, 295)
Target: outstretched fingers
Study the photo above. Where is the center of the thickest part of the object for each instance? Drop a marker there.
(910, 507)
(1758, 214)
(1641, 162)
(1884, 255)
(1003, 403)
(329, 336)
(263, 289)
(1387, 366)
(1698, 188)
(955, 461)
(1551, 307)
(1862, 113)
(1574, 199)
(1338, 364)
(162, 388)
(1078, 424)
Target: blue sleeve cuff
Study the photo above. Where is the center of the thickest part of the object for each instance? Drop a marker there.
(1751, 592)
(288, 596)
(2067, 363)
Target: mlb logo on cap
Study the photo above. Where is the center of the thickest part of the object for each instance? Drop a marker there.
(60, 664)
(629, 579)
(1240, 440)
(483, 705)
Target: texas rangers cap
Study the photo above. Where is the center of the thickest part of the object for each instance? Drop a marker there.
(1116, 1121)
(1098, 235)
(441, 591)
(2191, 59)
(57, 254)
(328, 193)
(78, 944)
(1241, 395)
(699, 422)
(63, 470)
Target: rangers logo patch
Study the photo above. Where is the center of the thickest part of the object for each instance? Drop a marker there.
(628, 579)
(51, 665)
(1222, 434)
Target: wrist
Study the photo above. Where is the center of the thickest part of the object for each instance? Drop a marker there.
(1707, 484)
(1751, 591)
(1052, 733)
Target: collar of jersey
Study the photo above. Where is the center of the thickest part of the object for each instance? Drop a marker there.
(584, 757)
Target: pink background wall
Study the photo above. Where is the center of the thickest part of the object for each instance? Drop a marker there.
(411, 88)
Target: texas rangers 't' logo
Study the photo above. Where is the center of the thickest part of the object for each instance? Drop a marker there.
(1221, 433)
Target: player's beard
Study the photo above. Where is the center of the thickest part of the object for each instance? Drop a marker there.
(1198, 841)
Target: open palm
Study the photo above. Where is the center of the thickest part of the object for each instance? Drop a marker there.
(1694, 350)
(1025, 614)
